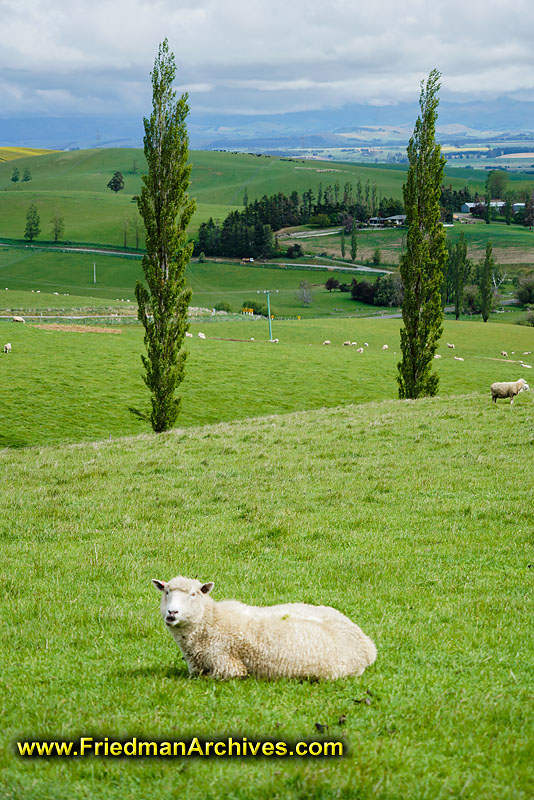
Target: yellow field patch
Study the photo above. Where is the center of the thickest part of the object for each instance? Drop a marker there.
(10, 153)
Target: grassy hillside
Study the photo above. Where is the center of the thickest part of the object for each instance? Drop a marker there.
(405, 516)
(71, 276)
(75, 386)
(76, 183)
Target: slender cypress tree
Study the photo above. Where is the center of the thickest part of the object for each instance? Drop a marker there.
(486, 291)
(462, 267)
(353, 242)
(422, 265)
(33, 223)
(166, 211)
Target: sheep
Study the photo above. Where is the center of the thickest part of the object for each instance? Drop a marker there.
(359, 350)
(354, 344)
(526, 353)
(19, 319)
(526, 366)
(346, 344)
(252, 339)
(508, 389)
(437, 355)
(201, 335)
(504, 353)
(189, 335)
(458, 358)
(451, 346)
(231, 640)
(385, 347)
(274, 341)
(7, 347)
(327, 341)
(366, 344)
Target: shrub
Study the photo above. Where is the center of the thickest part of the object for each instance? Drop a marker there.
(224, 306)
(363, 291)
(525, 290)
(320, 221)
(295, 251)
(257, 307)
(377, 257)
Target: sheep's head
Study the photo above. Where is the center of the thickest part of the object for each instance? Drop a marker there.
(182, 600)
(525, 387)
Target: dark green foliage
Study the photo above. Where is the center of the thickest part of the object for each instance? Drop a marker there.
(496, 183)
(422, 265)
(343, 246)
(377, 257)
(33, 223)
(166, 211)
(257, 307)
(58, 226)
(353, 242)
(15, 175)
(508, 209)
(525, 291)
(363, 291)
(116, 183)
(223, 306)
(528, 218)
(26, 175)
(295, 251)
(331, 283)
(458, 272)
(486, 292)
(487, 209)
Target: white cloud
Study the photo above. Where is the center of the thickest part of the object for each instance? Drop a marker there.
(259, 56)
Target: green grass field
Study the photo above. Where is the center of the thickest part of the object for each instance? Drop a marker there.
(76, 183)
(412, 518)
(22, 270)
(78, 386)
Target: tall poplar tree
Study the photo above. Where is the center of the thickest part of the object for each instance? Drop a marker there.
(33, 223)
(422, 265)
(486, 289)
(353, 242)
(166, 210)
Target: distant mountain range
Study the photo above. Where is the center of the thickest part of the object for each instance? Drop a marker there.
(353, 124)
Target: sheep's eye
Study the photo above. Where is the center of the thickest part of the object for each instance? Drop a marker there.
(193, 594)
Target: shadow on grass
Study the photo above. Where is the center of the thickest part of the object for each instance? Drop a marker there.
(155, 671)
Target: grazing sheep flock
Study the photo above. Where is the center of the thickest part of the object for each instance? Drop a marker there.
(508, 389)
(228, 639)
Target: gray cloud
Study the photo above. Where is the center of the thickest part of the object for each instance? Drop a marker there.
(259, 56)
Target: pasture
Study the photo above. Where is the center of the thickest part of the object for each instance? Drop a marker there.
(71, 275)
(76, 184)
(78, 386)
(410, 517)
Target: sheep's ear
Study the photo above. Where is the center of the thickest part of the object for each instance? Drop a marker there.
(207, 587)
(159, 584)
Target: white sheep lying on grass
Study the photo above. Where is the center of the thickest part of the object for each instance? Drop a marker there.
(385, 347)
(189, 335)
(19, 319)
(450, 346)
(508, 389)
(7, 347)
(231, 640)
(326, 341)
(201, 335)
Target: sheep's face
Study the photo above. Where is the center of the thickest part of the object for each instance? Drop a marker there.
(182, 600)
(525, 387)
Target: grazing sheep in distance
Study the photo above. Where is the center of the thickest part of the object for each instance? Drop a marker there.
(526, 353)
(354, 344)
(274, 341)
(231, 640)
(437, 355)
(508, 389)
(189, 335)
(504, 353)
(252, 339)
(527, 366)
(452, 346)
(385, 347)
(359, 350)
(458, 358)
(346, 344)
(327, 341)
(366, 344)
(19, 319)
(7, 348)
(201, 335)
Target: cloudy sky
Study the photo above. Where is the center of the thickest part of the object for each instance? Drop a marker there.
(253, 57)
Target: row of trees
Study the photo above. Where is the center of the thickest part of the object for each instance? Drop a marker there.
(33, 224)
(26, 175)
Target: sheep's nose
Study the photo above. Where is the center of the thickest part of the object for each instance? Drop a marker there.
(172, 613)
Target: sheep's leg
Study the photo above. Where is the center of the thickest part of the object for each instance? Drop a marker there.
(232, 668)
(512, 400)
